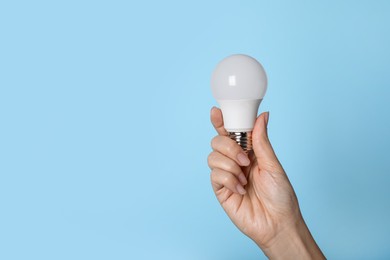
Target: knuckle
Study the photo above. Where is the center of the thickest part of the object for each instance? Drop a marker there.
(228, 149)
(214, 142)
(210, 158)
(231, 167)
(232, 149)
(212, 176)
(226, 180)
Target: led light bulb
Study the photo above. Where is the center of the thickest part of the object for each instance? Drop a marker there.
(239, 83)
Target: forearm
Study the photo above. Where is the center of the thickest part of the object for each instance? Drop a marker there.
(295, 242)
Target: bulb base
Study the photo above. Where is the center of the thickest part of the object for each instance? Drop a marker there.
(244, 139)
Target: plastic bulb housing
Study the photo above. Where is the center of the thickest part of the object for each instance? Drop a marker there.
(239, 84)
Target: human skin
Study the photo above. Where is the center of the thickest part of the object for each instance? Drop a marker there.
(257, 195)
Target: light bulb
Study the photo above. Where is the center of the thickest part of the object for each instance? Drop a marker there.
(239, 83)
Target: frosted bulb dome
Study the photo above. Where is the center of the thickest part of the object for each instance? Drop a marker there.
(239, 77)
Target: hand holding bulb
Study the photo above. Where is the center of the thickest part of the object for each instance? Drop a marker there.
(248, 180)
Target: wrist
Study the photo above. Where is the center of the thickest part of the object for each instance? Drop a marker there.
(293, 242)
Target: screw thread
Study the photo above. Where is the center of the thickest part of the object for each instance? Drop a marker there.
(244, 139)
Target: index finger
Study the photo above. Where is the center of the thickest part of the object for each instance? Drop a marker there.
(217, 121)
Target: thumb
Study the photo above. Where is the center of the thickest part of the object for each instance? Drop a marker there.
(264, 153)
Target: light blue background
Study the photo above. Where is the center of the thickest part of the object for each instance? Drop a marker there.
(104, 131)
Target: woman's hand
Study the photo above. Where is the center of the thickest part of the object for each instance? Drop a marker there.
(256, 194)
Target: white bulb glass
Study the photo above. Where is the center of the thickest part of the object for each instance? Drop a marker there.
(239, 84)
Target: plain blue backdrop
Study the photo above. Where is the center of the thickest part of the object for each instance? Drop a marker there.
(104, 124)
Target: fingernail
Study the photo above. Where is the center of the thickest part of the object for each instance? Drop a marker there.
(240, 189)
(266, 118)
(242, 179)
(243, 159)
